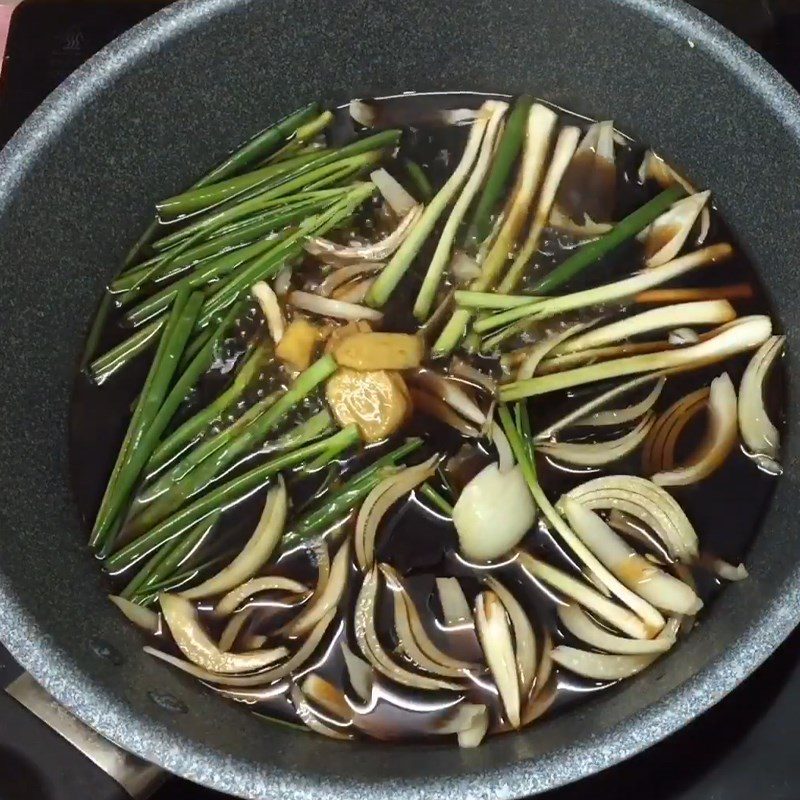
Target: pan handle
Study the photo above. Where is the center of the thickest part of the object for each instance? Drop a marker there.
(138, 778)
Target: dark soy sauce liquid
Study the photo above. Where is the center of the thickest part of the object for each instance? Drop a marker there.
(725, 509)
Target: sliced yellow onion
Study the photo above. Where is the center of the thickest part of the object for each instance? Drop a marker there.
(545, 668)
(327, 696)
(605, 667)
(493, 513)
(412, 637)
(355, 292)
(649, 616)
(231, 601)
(449, 391)
(702, 312)
(495, 637)
(723, 569)
(658, 453)
(666, 236)
(760, 436)
(233, 628)
(598, 354)
(597, 454)
(435, 407)
(466, 372)
(546, 345)
(655, 168)
(370, 646)
(360, 673)
(255, 553)
(720, 438)
(368, 114)
(540, 703)
(378, 502)
(469, 721)
(270, 308)
(343, 275)
(257, 679)
(586, 415)
(197, 646)
(524, 637)
(313, 720)
(454, 604)
(505, 456)
(590, 598)
(396, 197)
(583, 627)
(337, 309)
(327, 597)
(653, 584)
(140, 616)
(642, 499)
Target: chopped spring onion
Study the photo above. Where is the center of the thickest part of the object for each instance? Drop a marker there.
(326, 307)
(396, 197)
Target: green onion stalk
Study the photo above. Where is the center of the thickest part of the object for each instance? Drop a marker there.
(193, 475)
(223, 497)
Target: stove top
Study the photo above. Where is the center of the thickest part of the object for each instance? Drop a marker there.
(744, 747)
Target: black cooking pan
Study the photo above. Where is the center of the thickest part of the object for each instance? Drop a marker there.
(162, 104)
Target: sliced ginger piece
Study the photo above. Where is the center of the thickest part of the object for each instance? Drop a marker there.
(377, 401)
(341, 332)
(298, 344)
(371, 351)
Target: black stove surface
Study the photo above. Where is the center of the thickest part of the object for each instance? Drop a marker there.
(745, 747)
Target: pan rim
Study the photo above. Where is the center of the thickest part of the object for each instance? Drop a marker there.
(28, 643)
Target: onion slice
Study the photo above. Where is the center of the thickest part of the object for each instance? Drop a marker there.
(270, 308)
(378, 502)
(370, 646)
(545, 665)
(412, 637)
(396, 197)
(703, 312)
(653, 584)
(470, 723)
(197, 646)
(665, 237)
(449, 391)
(760, 436)
(344, 274)
(719, 440)
(326, 307)
(466, 372)
(435, 407)
(328, 697)
(233, 628)
(583, 627)
(255, 553)
(642, 499)
(327, 598)
(524, 637)
(231, 601)
(258, 679)
(590, 598)
(604, 667)
(140, 616)
(312, 719)
(580, 416)
(464, 268)
(495, 638)
(540, 703)
(658, 453)
(454, 604)
(361, 675)
(597, 454)
(332, 252)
